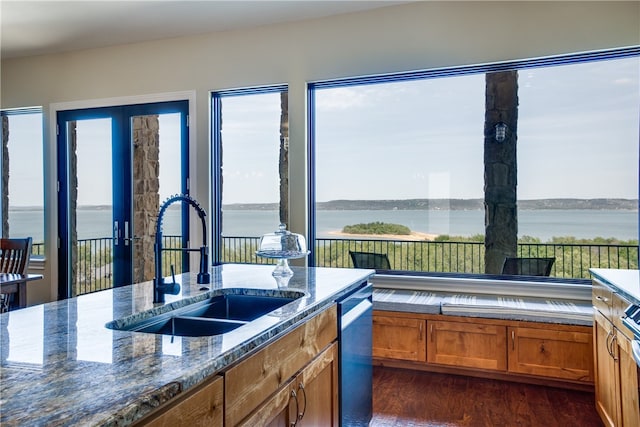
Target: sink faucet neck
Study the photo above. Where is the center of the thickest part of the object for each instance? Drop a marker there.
(160, 288)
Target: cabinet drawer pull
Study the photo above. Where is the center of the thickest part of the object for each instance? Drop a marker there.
(304, 399)
(431, 332)
(295, 397)
(513, 340)
(601, 298)
(613, 348)
(420, 331)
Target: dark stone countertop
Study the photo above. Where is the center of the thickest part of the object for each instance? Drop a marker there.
(60, 365)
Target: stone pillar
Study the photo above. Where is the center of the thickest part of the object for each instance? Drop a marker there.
(146, 196)
(500, 170)
(283, 163)
(5, 176)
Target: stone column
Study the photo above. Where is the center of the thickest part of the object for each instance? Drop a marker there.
(5, 176)
(283, 163)
(500, 170)
(146, 197)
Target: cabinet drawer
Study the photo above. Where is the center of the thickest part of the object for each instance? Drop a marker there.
(601, 297)
(399, 338)
(471, 345)
(251, 381)
(201, 407)
(618, 307)
(552, 353)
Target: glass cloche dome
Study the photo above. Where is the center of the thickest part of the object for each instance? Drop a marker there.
(282, 245)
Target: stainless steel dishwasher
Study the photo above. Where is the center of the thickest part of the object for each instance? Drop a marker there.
(355, 312)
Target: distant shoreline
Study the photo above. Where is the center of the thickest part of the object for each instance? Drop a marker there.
(414, 205)
(414, 236)
(452, 205)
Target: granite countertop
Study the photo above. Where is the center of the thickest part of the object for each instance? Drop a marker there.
(60, 365)
(624, 282)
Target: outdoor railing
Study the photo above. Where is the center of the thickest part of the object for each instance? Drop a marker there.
(573, 260)
(94, 268)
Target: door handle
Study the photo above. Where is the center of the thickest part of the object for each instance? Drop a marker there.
(128, 239)
(116, 233)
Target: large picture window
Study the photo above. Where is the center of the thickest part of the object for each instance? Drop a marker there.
(250, 169)
(411, 167)
(22, 176)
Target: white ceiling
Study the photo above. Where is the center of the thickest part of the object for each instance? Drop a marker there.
(39, 27)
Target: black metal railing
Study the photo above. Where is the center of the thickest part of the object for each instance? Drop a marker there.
(94, 267)
(573, 260)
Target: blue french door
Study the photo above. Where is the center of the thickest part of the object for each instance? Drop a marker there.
(99, 193)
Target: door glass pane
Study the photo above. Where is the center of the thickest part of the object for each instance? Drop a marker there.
(91, 225)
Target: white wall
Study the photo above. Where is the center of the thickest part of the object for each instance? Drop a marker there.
(407, 37)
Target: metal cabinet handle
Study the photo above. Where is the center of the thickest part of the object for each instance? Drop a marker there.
(295, 397)
(513, 339)
(304, 396)
(613, 348)
(601, 298)
(606, 343)
(420, 331)
(431, 332)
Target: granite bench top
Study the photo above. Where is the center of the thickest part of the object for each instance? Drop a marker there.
(60, 365)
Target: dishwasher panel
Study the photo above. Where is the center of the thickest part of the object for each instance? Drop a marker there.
(355, 354)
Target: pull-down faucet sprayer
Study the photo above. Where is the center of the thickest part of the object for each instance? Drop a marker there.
(160, 288)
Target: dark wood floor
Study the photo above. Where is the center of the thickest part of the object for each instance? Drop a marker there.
(422, 399)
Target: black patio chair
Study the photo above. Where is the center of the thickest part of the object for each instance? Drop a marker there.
(370, 260)
(528, 266)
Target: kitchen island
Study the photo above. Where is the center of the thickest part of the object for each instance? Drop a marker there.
(60, 365)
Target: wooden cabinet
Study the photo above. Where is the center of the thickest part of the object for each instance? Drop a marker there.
(261, 389)
(616, 372)
(308, 399)
(500, 348)
(605, 371)
(471, 345)
(628, 368)
(564, 352)
(200, 407)
(399, 338)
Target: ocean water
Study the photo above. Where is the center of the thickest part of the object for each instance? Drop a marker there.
(543, 224)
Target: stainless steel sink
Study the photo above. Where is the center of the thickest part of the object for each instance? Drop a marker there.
(187, 326)
(216, 314)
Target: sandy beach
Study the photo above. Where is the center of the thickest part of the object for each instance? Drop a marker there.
(415, 236)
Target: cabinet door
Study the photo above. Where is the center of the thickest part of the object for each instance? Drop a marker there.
(275, 411)
(317, 390)
(248, 383)
(605, 371)
(551, 353)
(202, 407)
(472, 345)
(399, 338)
(629, 409)
(309, 399)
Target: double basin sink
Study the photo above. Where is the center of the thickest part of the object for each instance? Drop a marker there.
(216, 314)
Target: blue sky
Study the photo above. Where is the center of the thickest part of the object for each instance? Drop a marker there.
(577, 137)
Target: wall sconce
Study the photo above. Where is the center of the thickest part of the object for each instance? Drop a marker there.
(501, 132)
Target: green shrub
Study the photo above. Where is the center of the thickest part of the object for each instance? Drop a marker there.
(377, 228)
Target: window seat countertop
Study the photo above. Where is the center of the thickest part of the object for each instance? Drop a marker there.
(546, 310)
